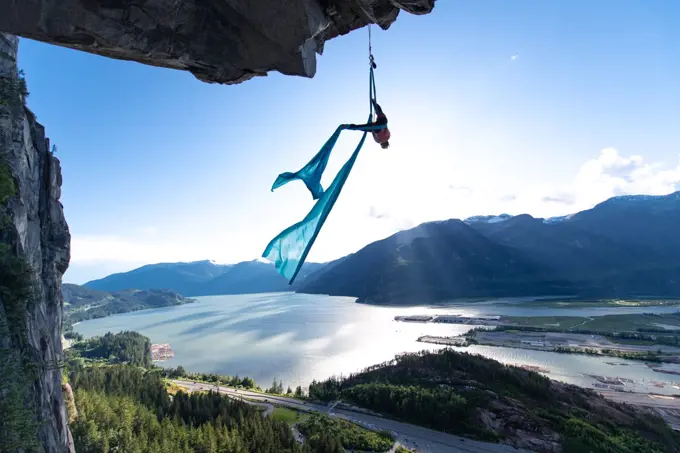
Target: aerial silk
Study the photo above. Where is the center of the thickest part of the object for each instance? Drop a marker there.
(289, 249)
(311, 173)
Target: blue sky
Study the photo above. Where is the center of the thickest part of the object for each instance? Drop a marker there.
(494, 106)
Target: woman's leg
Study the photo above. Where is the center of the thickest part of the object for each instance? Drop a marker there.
(378, 110)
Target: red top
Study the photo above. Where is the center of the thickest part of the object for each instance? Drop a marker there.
(382, 135)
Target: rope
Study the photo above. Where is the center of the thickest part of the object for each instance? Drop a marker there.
(371, 61)
(370, 50)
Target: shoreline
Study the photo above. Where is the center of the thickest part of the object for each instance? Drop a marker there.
(561, 343)
(603, 380)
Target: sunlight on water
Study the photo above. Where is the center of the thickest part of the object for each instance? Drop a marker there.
(300, 337)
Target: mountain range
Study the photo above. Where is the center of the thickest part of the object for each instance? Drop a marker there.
(624, 246)
(204, 278)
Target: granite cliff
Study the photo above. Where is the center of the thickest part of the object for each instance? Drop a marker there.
(223, 41)
(34, 254)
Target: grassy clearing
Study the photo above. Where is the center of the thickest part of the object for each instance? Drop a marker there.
(632, 341)
(598, 303)
(286, 415)
(402, 449)
(607, 323)
(562, 322)
(620, 323)
(173, 388)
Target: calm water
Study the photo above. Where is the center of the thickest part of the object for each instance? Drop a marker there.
(300, 337)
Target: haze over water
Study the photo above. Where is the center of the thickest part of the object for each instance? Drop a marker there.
(300, 337)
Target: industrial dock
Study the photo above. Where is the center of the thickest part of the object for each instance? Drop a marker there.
(452, 319)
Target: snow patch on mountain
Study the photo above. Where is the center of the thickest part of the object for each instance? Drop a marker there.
(557, 219)
(488, 218)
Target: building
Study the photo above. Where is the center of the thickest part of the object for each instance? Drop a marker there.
(161, 352)
(414, 318)
(460, 319)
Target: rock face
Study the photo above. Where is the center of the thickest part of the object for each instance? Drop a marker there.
(33, 232)
(223, 41)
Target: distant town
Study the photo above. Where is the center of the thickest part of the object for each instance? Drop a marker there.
(160, 352)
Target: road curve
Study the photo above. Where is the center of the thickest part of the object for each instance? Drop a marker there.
(415, 437)
(268, 408)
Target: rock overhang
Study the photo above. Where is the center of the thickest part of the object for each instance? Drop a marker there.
(218, 41)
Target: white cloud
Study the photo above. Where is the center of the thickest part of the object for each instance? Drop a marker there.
(461, 189)
(514, 57)
(130, 251)
(148, 230)
(607, 175)
(96, 249)
(95, 256)
(611, 174)
(563, 198)
(428, 194)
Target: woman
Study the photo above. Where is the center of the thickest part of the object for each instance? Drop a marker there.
(381, 136)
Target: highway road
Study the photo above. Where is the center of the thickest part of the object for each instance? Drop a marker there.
(667, 407)
(268, 408)
(642, 399)
(422, 440)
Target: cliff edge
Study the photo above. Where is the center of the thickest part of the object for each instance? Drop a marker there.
(34, 254)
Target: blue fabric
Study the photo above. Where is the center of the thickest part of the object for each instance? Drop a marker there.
(289, 249)
(311, 173)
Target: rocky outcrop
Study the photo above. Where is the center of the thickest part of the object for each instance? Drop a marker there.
(34, 249)
(223, 41)
(70, 402)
